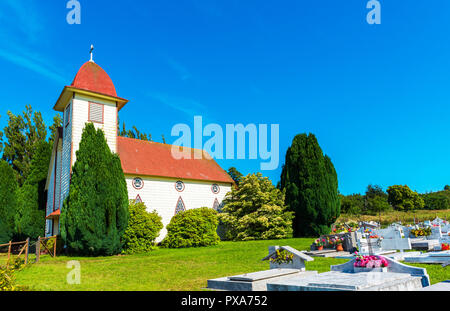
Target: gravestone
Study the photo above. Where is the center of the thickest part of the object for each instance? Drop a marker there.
(439, 287)
(368, 225)
(257, 281)
(424, 244)
(438, 221)
(348, 244)
(430, 258)
(394, 239)
(436, 233)
(396, 244)
(298, 261)
(344, 278)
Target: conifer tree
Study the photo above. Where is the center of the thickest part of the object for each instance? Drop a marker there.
(30, 213)
(310, 181)
(8, 192)
(95, 214)
(235, 175)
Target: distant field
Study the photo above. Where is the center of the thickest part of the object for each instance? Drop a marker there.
(394, 216)
(171, 269)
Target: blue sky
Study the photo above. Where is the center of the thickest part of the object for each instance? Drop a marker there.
(376, 96)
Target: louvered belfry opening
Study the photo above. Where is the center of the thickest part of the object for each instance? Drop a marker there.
(95, 112)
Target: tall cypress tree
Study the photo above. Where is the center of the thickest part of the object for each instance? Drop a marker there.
(8, 191)
(95, 214)
(30, 214)
(310, 181)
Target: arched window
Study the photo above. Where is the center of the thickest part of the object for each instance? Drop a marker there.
(180, 206)
(138, 199)
(216, 205)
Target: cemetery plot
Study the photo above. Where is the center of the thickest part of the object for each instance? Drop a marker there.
(256, 281)
(443, 286)
(431, 258)
(285, 263)
(336, 281)
(393, 276)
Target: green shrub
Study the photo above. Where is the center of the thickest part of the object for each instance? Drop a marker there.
(255, 211)
(143, 228)
(192, 228)
(51, 243)
(7, 279)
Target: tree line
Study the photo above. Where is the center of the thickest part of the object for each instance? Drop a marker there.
(395, 198)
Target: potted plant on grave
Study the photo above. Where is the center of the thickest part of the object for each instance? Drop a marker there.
(338, 243)
(282, 257)
(331, 242)
(421, 232)
(319, 244)
(370, 263)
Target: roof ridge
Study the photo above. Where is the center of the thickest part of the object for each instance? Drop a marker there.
(163, 144)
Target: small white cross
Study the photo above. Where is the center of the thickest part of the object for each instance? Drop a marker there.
(92, 54)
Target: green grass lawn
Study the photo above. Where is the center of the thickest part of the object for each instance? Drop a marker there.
(171, 269)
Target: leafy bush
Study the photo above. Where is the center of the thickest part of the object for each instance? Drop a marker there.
(143, 228)
(192, 228)
(402, 198)
(256, 211)
(7, 279)
(50, 244)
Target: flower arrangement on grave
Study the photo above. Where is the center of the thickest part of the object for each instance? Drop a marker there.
(374, 236)
(421, 232)
(338, 240)
(319, 243)
(331, 241)
(370, 261)
(445, 246)
(281, 257)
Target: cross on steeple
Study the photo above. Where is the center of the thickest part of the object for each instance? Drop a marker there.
(92, 54)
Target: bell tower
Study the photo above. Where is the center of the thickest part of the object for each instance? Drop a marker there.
(90, 98)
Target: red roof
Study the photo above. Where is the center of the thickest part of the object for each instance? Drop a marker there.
(54, 215)
(155, 159)
(92, 77)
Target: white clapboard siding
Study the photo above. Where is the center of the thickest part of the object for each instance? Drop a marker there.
(58, 177)
(66, 158)
(50, 194)
(159, 194)
(81, 116)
